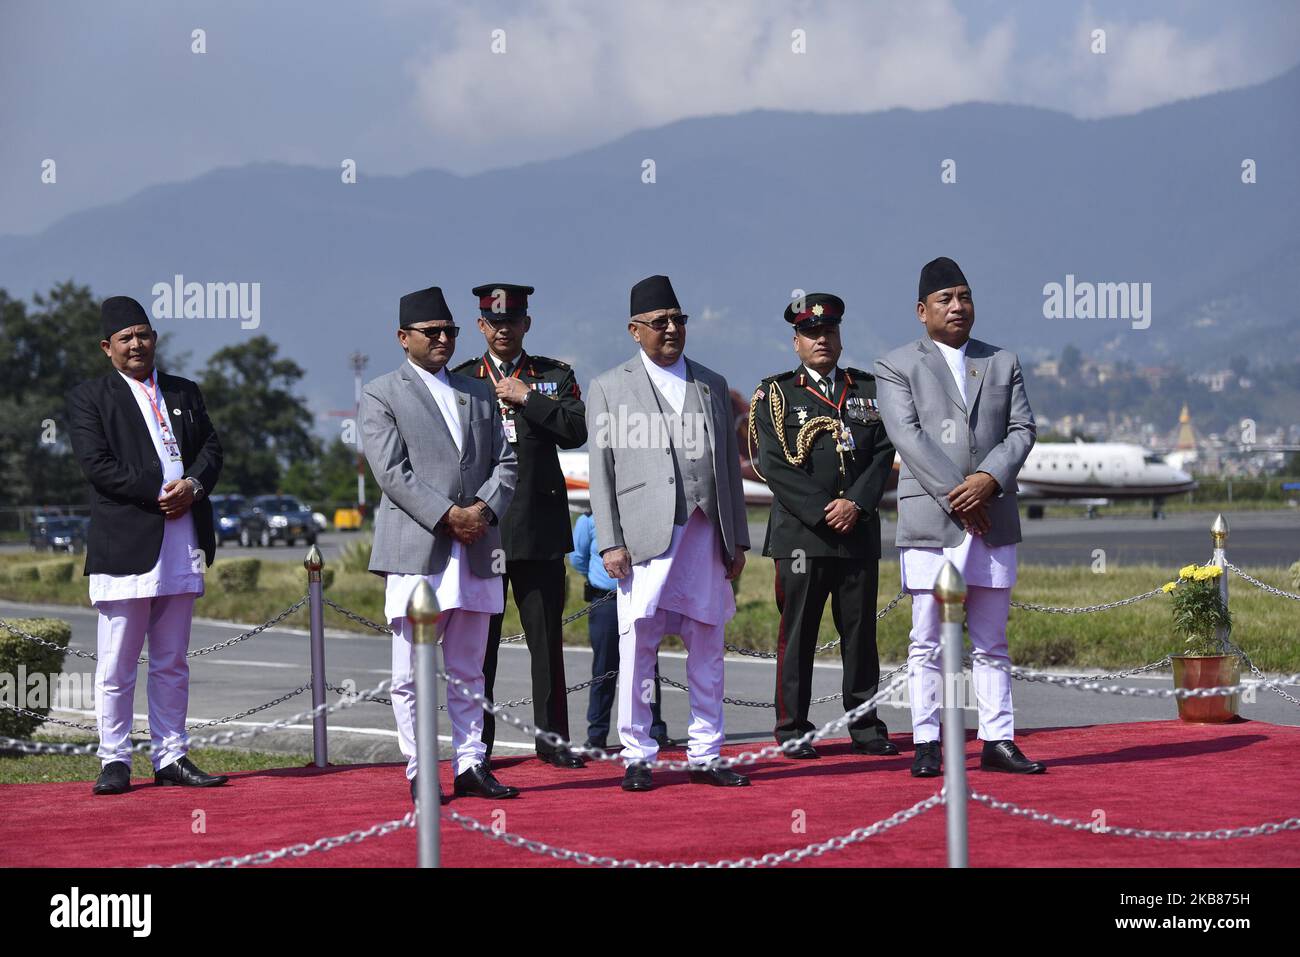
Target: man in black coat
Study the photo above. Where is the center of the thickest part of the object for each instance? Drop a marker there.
(144, 442)
(823, 451)
(541, 408)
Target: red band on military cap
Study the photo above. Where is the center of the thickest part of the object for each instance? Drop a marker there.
(825, 310)
(511, 302)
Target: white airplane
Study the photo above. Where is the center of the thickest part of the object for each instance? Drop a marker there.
(1093, 472)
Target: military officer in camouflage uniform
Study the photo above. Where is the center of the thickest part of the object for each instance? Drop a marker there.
(542, 410)
(823, 451)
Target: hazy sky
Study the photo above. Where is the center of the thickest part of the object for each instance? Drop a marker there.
(112, 92)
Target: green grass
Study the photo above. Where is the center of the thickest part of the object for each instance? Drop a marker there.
(1267, 627)
(51, 768)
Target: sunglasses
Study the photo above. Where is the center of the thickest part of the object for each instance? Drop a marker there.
(661, 324)
(434, 332)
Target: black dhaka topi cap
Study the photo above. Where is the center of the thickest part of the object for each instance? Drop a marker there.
(941, 273)
(427, 305)
(121, 312)
(653, 293)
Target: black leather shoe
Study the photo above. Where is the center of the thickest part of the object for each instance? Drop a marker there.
(561, 758)
(665, 743)
(114, 778)
(479, 782)
(928, 761)
(719, 777)
(183, 773)
(881, 747)
(805, 752)
(1005, 756)
(637, 777)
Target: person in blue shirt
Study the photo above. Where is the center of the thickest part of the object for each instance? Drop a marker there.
(602, 631)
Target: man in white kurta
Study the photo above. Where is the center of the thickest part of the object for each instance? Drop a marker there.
(466, 603)
(684, 592)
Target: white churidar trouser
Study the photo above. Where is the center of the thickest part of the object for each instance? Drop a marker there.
(986, 622)
(123, 625)
(464, 640)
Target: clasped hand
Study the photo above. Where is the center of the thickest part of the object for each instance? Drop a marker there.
(467, 525)
(969, 501)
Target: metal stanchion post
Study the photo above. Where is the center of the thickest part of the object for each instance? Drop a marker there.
(1219, 533)
(422, 610)
(319, 746)
(950, 593)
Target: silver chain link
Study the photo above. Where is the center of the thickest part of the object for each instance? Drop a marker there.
(1236, 649)
(749, 653)
(772, 859)
(1223, 833)
(385, 630)
(1091, 684)
(1259, 584)
(302, 850)
(191, 654)
(192, 727)
(1084, 609)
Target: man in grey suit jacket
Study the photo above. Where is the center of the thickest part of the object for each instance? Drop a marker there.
(956, 410)
(437, 448)
(669, 506)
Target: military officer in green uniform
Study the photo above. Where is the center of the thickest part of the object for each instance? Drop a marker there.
(542, 410)
(823, 451)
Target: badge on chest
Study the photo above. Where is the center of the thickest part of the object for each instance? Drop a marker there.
(861, 409)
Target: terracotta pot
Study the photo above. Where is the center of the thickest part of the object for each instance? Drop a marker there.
(1207, 671)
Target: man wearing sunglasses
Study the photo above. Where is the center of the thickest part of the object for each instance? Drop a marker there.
(669, 505)
(541, 411)
(437, 449)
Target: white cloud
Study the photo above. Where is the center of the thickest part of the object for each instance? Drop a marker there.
(594, 70)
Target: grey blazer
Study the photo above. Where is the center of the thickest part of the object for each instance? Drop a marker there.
(632, 494)
(941, 441)
(415, 462)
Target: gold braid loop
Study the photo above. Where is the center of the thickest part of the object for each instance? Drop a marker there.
(811, 429)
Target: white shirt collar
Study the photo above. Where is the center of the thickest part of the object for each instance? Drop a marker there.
(665, 373)
(817, 376)
(440, 376)
(948, 352)
(499, 363)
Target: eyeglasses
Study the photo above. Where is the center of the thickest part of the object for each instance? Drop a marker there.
(495, 321)
(661, 324)
(434, 332)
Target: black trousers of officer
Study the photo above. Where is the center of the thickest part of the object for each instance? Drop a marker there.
(851, 585)
(539, 595)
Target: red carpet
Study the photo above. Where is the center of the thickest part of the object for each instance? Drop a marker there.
(1163, 775)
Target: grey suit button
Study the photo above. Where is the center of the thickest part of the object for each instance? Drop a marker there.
(670, 480)
(465, 467)
(668, 451)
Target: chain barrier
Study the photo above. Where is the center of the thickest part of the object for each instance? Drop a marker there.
(1091, 684)
(744, 758)
(1150, 666)
(302, 850)
(191, 727)
(1223, 833)
(385, 630)
(1084, 609)
(772, 859)
(217, 740)
(190, 654)
(749, 653)
(1237, 650)
(1259, 584)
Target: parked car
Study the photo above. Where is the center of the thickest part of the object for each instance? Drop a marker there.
(268, 519)
(226, 510)
(59, 533)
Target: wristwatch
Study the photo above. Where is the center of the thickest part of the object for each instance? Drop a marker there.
(198, 486)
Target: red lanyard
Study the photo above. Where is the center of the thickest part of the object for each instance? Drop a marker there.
(162, 422)
(837, 406)
(490, 366)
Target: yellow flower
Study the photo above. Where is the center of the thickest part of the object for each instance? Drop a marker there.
(1213, 571)
(1167, 587)
(1187, 571)
(1200, 575)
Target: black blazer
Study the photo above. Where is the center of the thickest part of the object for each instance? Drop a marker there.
(113, 446)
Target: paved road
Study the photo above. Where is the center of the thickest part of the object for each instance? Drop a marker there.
(262, 668)
(1256, 538)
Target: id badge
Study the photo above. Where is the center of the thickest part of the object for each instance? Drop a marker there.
(173, 451)
(512, 433)
(846, 437)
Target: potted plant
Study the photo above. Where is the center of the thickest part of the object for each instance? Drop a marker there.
(1200, 613)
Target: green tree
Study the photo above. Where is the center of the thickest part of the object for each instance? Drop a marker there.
(264, 427)
(330, 480)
